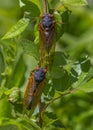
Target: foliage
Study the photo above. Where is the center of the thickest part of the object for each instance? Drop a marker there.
(67, 96)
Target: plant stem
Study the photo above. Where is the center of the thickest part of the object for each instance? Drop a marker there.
(62, 95)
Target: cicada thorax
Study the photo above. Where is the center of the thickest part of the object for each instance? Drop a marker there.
(46, 35)
(34, 88)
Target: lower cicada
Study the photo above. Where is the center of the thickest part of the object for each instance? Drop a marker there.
(34, 88)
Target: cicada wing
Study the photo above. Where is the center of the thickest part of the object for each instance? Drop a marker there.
(43, 51)
(37, 97)
(47, 47)
(32, 94)
(40, 89)
(52, 40)
(47, 42)
(38, 93)
(28, 95)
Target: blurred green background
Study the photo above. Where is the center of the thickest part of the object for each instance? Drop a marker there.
(75, 111)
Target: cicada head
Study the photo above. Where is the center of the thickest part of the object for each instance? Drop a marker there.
(39, 74)
(47, 21)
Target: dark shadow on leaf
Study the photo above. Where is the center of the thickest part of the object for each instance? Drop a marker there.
(59, 59)
(31, 8)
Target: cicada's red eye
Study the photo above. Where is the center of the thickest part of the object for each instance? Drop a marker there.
(42, 16)
(51, 15)
(45, 70)
(37, 68)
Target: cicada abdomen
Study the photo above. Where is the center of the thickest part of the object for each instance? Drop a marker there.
(34, 89)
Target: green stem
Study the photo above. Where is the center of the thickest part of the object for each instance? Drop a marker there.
(62, 95)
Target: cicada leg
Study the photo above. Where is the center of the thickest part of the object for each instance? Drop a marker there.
(40, 112)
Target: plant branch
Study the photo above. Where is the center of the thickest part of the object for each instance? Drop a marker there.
(62, 95)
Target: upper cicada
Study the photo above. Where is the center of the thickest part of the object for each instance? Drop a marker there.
(46, 35)
(34, 88)
(47, 32)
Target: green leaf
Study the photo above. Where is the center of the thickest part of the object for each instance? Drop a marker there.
(51, 121)
(49, 118)
(9, 127)
(75, 2)
(59, 29)
(57, 72)
(59, 59)
(5, 108)
(31, 7)
(87, 87)
(9, 14)
(2, 65)
(2, 91)
(85, 64)
(17, 29)
(53, 4)
(61, 84)
(17, 77)
(85, 81)
(29, 124)
(38, 3)
(30, 48)
(58, 124)
(61, 19)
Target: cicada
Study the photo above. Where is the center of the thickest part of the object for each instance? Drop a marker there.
(34, 88)
(46, 35)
